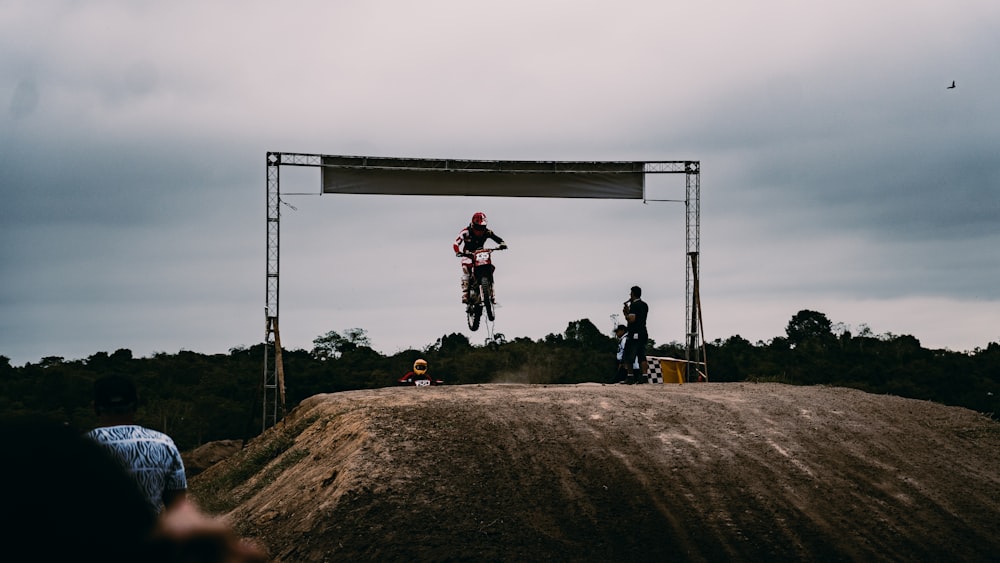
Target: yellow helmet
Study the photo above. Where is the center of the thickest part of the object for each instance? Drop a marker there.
(420, 366)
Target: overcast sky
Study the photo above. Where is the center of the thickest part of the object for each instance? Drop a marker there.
(839, 174)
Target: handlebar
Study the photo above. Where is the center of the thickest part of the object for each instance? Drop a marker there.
(472, 253)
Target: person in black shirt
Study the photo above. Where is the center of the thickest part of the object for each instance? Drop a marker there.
(635, 310)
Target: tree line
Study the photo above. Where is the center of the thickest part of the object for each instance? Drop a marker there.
(198, 398)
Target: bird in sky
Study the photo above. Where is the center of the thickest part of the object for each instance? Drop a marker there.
(952, 85)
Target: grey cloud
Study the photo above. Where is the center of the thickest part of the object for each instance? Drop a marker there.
(24, 100)
(131, 83)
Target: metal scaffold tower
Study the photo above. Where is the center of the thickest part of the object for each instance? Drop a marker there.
(695, 348)
(272, 385)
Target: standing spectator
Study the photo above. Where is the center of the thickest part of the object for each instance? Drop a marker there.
(620, 371)
(149, 456)
(636, 311)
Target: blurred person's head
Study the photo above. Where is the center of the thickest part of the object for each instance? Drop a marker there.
(68, 499)
(115, 395)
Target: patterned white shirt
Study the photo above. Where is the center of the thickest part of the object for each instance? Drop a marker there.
(621, 351)
(150, 456)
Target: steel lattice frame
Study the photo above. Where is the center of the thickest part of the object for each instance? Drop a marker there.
(692, 301)
(272, 383)
(269, 388)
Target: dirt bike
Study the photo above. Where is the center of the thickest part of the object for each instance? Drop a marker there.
(481, 287)
(414, 382)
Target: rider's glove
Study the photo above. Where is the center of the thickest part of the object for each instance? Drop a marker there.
(460, 254)
(502, 246)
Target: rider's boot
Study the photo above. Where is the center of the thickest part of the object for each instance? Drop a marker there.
(465, 288)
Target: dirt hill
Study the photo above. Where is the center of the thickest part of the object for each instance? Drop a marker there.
(695, 472)
(207, 455)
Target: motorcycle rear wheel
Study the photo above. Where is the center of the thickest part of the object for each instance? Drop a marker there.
(487, 296)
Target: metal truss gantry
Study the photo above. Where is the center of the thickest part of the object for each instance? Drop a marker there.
(273, 384)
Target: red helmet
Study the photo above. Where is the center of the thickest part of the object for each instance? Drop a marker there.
(478, 223)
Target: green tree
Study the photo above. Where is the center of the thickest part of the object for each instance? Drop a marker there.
(332, 344)
(586, 335)
(809, 327)
(454, 343)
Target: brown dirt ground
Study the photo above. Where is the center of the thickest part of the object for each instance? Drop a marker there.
(591, 472)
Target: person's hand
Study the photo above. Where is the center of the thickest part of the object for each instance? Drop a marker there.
(460, 254)
(503, 246)
(184, 533)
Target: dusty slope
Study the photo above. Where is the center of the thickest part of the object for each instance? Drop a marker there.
(699, 472)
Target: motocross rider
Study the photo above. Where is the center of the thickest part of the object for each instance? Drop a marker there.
(473, 238)
(419, 372)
